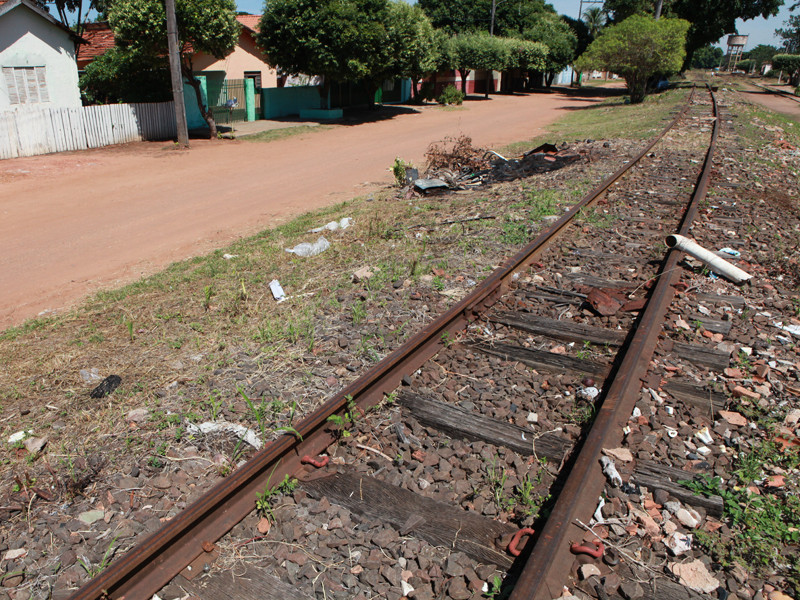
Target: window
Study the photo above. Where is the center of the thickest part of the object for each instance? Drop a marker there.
(26, 85)
(255, 76)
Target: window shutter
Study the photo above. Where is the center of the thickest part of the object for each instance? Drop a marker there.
(11, 84)
(22, 89)
(44, 94)
(32, 86)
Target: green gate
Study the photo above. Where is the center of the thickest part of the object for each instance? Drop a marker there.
(219, 93)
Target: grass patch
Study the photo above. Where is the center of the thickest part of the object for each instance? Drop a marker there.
(609, 119)
(286, 132)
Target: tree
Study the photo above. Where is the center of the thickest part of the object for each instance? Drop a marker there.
(473, 51)
(760, 54)
(581, 31)
(340, 40)
(595, 20)
(127, 75)
(418, 52)
(560, 40)
(789, 64)
(468, 16)
(707, 57)
(207, 26)
(637, 49)
(790, 35)
(710, 19)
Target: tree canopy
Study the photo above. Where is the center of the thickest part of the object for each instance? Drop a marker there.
(207, 26)
(341, 40)
(127, 75)
(789, 64)
(761, 54)
(637, 49)
(560, 40)
(707, 57)
(465, 16)
(710, 19)
(790, 35)
(417, 50)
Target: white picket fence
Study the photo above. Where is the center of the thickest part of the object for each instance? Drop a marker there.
(29, 132)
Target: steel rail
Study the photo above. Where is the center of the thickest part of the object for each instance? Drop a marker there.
(783, 93)
(546, 570)
(150, 565)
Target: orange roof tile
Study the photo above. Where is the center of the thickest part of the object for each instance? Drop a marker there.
(100, 39)
(249, 21)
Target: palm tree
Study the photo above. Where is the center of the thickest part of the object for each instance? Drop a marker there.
(595, 20)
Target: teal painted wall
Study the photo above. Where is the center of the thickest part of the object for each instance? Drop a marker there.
(250, 99)
(282, 102)
(194, 119)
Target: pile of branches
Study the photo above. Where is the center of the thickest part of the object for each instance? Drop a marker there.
(456, 155)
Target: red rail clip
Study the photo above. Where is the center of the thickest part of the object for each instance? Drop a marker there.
(512, 545)
(307, 460)
(595, 552)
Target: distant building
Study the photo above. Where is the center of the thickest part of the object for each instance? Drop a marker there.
(37, 57)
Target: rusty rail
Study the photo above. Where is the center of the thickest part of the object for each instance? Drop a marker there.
(543, 576)
(149, 566)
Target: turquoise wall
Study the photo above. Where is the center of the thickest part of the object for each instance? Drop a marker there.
(282, 102)
(194, 119)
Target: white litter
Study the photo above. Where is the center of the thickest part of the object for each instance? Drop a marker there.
(242, 432)
(306, 249)
(277, 290)
(704, 435)
(230, 256)
(610, 471)
(90, 375)
(19, 436)
(334, 225)
(590, 393)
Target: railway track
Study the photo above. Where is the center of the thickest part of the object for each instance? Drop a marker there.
(781, 93)
(446, 457)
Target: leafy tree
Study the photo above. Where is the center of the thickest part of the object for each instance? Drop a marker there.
(340, 40)
(560, 40)
(707, 57)
(581, 31)
(710, 19)
(746, 65)
(595, 19)
(789, 64)
(637, 49)
(467, 16)
(790, 35)
(473, 51)
(207, 26)
(761, 54)
(418, 50)
(127, 75)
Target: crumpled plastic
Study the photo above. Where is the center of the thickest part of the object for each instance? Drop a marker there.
(306, 249)
(343, 223)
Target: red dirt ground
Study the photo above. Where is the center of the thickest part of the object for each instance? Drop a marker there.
(77, 222)
(775, 102)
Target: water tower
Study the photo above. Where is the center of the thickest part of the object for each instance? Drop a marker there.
(736, 44)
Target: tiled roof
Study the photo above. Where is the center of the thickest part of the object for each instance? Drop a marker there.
(100, 38)
(249, 21)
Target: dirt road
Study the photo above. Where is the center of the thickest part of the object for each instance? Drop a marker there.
(73, 223)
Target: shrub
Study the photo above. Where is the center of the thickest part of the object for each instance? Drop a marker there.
(451, 95)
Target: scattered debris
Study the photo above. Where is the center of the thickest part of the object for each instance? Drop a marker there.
(277, 290)
(343, 223)
(106, 387)
(242, 432)
(307, 249)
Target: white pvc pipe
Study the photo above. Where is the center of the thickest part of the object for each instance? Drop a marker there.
(714, 262)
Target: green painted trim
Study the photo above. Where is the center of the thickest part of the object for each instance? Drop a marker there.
(250, 99)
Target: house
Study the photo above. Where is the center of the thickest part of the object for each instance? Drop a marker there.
(99, 39)
(37, 58)
(245, 62)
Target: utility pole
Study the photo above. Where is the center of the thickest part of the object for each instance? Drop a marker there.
(175, 73)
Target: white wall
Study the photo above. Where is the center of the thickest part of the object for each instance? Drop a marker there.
(29, 40)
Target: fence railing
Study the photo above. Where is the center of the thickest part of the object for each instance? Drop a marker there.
(32, 131)
(219, 92)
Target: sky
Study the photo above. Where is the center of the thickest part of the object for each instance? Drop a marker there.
(761, 31)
